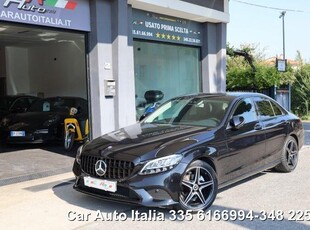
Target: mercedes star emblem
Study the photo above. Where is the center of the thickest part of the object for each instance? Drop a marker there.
(100, 167)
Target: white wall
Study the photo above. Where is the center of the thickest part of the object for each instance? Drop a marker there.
(58, 69)
(17, 70)
(54, 70)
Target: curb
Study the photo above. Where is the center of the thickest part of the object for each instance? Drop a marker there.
(33, 176)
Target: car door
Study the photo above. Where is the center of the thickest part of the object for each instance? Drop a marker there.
(274, 125)
(246, 145)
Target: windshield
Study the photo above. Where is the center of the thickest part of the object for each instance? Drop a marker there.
(206, 111)
(53, 105)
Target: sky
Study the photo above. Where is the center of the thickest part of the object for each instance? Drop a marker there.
(262, 26)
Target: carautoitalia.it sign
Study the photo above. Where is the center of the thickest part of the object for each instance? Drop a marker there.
(67, 14)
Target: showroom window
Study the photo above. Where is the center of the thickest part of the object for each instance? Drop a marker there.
(172, 69)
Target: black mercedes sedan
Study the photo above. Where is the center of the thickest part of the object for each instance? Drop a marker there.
(43, 121)
(191, 146)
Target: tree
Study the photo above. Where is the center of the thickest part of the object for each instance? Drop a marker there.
(255, 74)
(301, 90)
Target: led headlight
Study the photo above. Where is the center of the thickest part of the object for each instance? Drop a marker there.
(78, 154)
(161, 164)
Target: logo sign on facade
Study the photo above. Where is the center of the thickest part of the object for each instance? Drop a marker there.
(67, 14)
(153, 26)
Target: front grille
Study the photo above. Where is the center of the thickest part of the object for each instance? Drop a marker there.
(116, 169)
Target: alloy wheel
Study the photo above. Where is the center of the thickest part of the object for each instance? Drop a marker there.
(198, 188)
(292, 153)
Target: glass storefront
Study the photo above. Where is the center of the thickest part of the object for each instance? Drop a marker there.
(171, 69)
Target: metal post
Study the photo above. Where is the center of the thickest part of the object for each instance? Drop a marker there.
(283, 29)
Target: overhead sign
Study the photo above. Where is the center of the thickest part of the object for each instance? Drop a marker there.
(67, 14)
(158, 27)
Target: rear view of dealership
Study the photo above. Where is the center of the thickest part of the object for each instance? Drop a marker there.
(111, 52)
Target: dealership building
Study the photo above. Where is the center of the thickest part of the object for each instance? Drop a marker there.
(111, 52)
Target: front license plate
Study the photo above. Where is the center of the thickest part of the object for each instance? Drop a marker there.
(17, 133)
(105, 185)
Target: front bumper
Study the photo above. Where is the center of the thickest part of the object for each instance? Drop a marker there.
(156, 190)
(37, 136)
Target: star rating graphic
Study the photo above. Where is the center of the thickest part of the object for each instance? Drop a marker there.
(168, 36)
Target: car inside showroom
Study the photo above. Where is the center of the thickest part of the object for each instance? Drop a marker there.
(41, 64)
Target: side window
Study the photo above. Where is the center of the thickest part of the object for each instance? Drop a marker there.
(277, 109)
(20, 105)
(246, 109)
(265, 109)
(31, 100)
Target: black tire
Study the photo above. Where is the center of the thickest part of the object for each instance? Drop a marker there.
(198, 187)
(289, 156)
(69, 140)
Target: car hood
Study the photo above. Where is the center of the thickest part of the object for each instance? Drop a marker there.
(31, 120)
(147, 141)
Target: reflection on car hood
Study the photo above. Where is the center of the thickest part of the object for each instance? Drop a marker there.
(146, 141)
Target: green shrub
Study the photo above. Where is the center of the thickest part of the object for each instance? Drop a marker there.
(305, 118)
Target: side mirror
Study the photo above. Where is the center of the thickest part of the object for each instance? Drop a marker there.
(236, 122)
(73, 111)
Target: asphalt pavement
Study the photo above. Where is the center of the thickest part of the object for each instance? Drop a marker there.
(20, 163)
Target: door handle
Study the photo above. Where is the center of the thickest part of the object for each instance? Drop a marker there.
(258, 127)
